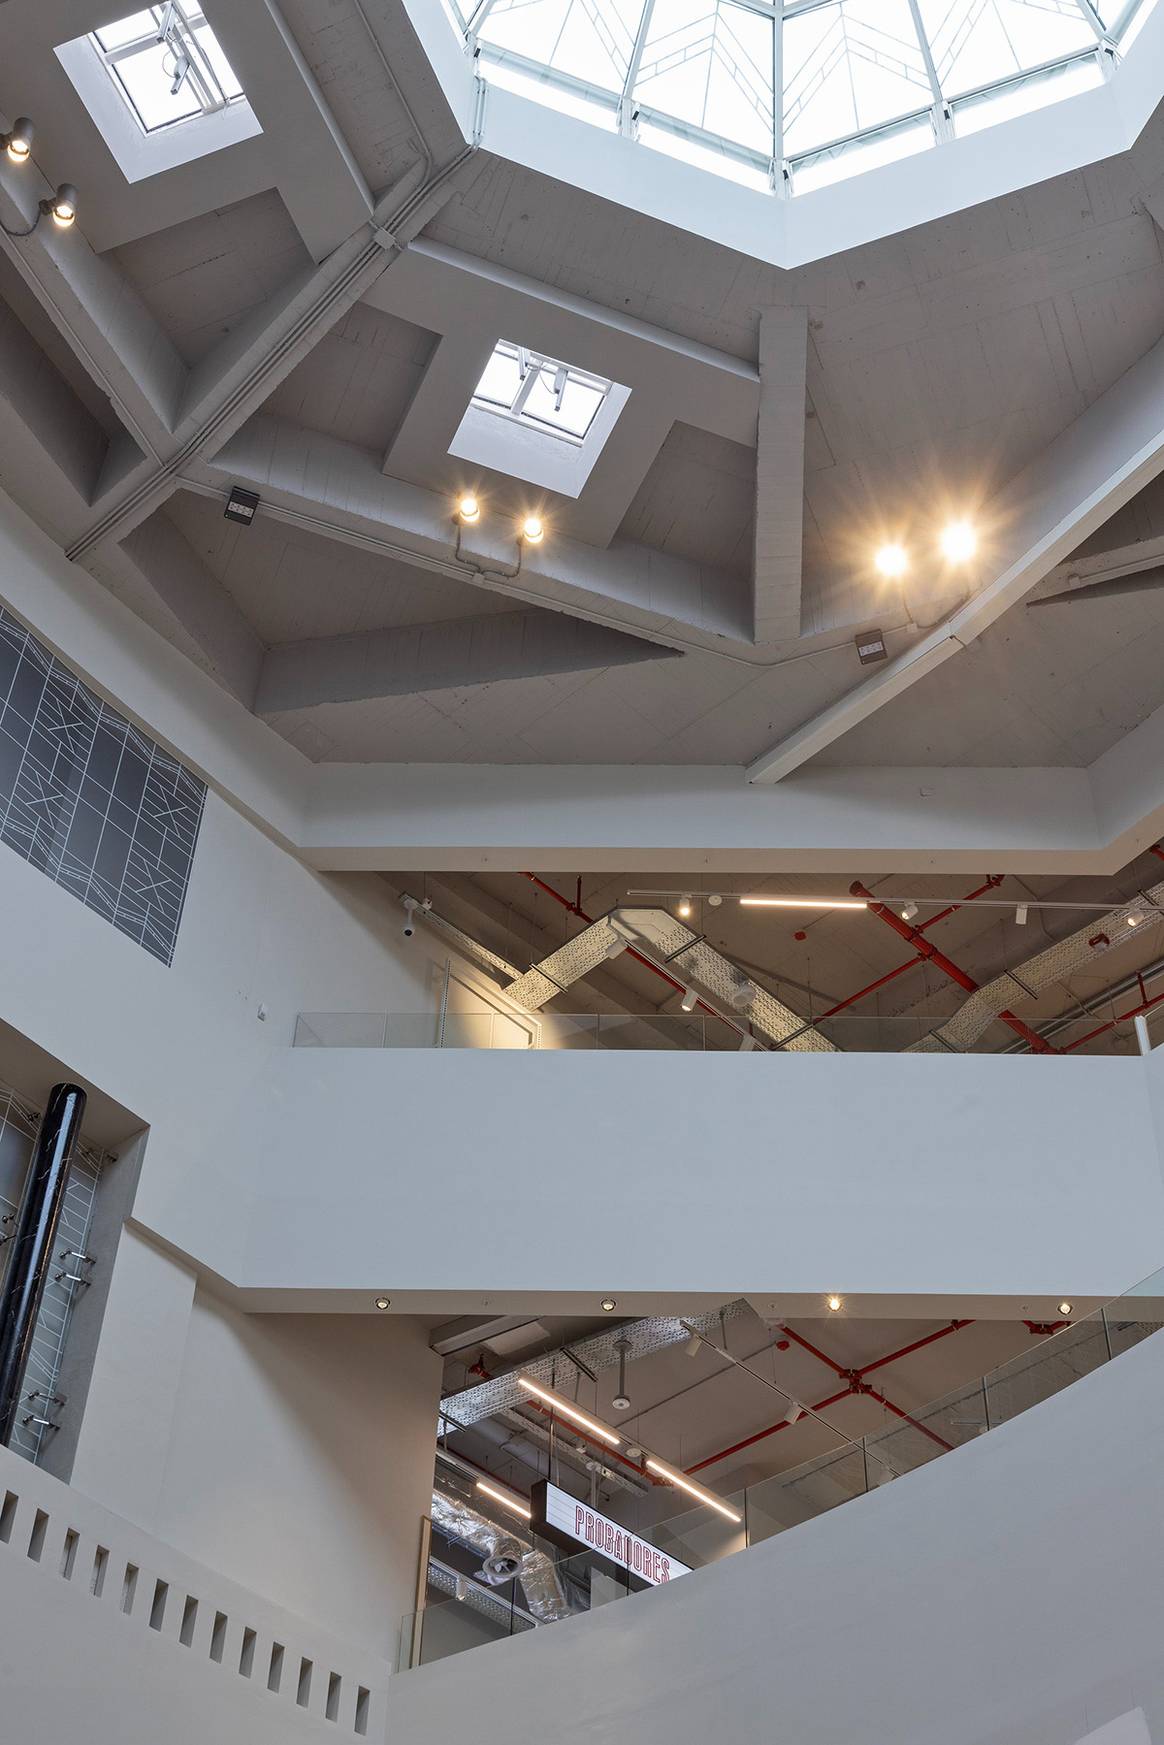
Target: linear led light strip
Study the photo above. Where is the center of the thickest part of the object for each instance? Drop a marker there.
(506, 1499)
(658, 1467)
(689, 1485)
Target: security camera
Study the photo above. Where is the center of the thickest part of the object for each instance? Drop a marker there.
(408, 929)
(410, 907)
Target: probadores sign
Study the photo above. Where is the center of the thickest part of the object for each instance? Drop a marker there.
(577, 1527)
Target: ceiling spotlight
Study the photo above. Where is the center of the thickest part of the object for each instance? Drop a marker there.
(693, 1345)
(1134, 917)
(241, 506)
(835, 1303)
(908, 911)
(18, 143)
(63, 206)
(468, 510)
(689, 998)
(609, 1303)
(383, 1302)
(959, 542)
(795, 1411)
(891, 561)
(1066, 1308)
(1020, 915)
(684, 908)
(532, 530)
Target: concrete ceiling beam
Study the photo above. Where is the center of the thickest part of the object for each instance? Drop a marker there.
(1095, 467)
(440, 657)
(779, 528)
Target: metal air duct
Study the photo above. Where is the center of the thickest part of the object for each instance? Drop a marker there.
(504, 1555)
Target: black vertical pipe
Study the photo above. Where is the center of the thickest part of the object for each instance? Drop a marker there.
(32, 1244)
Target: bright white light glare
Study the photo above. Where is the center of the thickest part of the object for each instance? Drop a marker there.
(506, 1499)
(692, 1489)
(684, 908)
(801, 903)
(835, 1303)
(532, 530)
(468, 509)
(891, 561)
(1066, 1308)
(602, 1431)
(959, 542)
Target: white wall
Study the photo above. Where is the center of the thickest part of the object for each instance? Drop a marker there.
(662, 1179)
(300, 1461)
(1007, 1594)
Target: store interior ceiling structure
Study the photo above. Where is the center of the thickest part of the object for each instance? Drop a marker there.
(850, 972)
(223, 321)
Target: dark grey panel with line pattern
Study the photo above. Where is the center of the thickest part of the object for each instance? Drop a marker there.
(89, 800)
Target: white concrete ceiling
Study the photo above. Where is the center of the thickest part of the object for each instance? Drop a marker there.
(186, 329)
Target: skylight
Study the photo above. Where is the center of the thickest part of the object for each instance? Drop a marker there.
(167, 65)
(540, 392)
(787, 94)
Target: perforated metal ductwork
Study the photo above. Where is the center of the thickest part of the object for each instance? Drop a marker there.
(558, 1369)
(1078, 951)
(504, 1555)
(671, 946)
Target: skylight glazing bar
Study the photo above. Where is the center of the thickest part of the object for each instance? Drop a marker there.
(626, 101)
(943, 126)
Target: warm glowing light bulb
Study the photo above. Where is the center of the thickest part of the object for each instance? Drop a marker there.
(959, 542)
(891, 560)
(835, 1303)
(1066, 1308)
(468, 508)
(532, 530)
(684, 908)
(64, 205)
(19, 142)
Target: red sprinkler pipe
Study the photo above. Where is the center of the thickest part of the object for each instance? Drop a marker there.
(991, 884)
(922, 946)
(855, 1378)
(1122, 1018)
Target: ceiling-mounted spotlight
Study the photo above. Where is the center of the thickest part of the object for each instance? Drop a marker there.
(795, 1411)
(684, 908)
(693, 1345)
(835, 1303)
(959, 542)
(891, 561)
(18, 142)
(468, 509)
(532, 530)
(241, 506)
(62, 208)
(908, 911)
(1020, 915)
(1135, 917)
(689, 999)
(1065, 1308)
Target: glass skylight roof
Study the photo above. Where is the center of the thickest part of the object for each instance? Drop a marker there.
(540, 392)
(790, 93)
(167, 64)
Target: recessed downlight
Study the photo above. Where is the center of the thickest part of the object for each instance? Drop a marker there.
(383, 1302)
(835, 1303)
(609, 1303)
(1065, 1307)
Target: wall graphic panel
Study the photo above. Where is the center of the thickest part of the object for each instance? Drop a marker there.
(91, 801)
